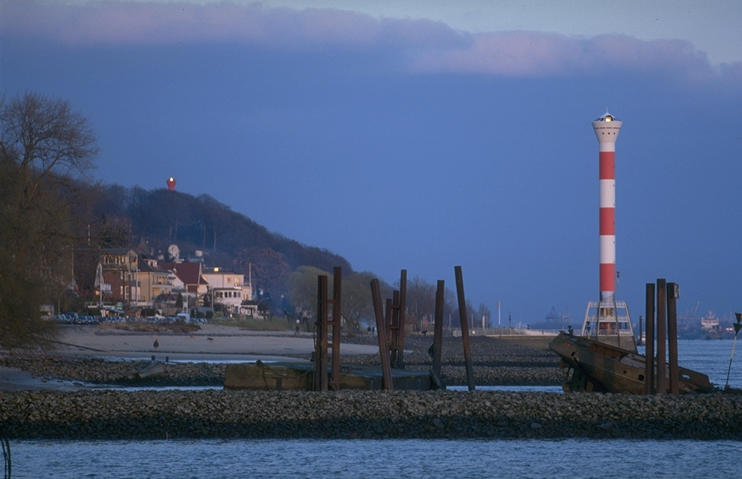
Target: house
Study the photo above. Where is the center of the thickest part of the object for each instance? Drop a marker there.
(186, 277)
(227, 288)
(117, 269)
(152, 282)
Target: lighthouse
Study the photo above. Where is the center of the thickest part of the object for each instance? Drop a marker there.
(607, 320)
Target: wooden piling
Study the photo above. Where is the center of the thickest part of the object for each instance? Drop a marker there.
(649, 379)
(396, 353)
(320, 350)
(386, 369)
(402, 316)
(337, 286)
(661, 335)
(464, 327)
(390, 336)
(672, 337)
(438, 331)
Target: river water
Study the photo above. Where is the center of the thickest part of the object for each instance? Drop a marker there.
(569, 459)
(410, 458)
(711, 357)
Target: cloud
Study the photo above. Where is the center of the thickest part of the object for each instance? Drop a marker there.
(124, 22)
(421, 46)
(539, 54)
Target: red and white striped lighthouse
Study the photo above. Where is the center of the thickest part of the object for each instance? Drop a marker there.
(608, 320)
(606, 129)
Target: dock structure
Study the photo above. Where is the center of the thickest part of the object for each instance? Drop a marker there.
(325, 372)
(300, 377)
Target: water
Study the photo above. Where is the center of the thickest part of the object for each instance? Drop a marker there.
(412, 458)
(569, 459)
(711, 357)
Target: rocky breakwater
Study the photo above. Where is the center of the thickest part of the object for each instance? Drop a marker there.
(365, 414)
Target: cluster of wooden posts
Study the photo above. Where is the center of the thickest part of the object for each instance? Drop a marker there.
(390, 331)
(666, 327)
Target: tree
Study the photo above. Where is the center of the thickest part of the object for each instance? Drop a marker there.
(269, 269)
(44, 145)
(302, 286)
(356, 294)
(420, 302)
(357, 300)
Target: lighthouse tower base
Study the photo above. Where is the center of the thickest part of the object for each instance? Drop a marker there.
(609, 322)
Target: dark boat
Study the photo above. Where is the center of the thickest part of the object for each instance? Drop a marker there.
(600, 367)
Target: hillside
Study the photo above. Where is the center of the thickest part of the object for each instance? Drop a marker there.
(149, 221)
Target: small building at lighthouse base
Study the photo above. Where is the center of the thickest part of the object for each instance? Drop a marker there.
(609, 322)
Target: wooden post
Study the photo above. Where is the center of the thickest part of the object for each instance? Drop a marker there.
(337, 286)
(464, 327)
(320, 350)
(438, 332)
(672, 337)
(402, 316)
(649, 379)
(395, 330)
(390, 336)
(661, 335)
(386, 369)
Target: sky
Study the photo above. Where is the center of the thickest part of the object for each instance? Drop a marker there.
(424, 135)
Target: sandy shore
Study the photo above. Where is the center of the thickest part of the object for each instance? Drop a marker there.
(213, 343)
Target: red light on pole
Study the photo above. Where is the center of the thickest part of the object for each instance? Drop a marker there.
(171, 183)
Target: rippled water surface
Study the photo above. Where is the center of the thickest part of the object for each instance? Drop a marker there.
(572, 458)
(711, 357)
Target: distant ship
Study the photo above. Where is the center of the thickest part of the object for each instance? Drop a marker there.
(711, 327)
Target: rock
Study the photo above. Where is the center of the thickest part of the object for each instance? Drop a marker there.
(276, 414)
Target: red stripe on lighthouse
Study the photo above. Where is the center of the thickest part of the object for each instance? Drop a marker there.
(607, 277)
(607, 165)
(607, 221)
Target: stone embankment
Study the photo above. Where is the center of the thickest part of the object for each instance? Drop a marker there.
(365, 414)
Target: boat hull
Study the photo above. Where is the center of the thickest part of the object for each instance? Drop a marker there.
(600, 367)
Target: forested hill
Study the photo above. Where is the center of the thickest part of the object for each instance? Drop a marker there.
(151, 220)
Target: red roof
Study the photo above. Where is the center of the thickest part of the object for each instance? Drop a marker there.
(188, 273)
